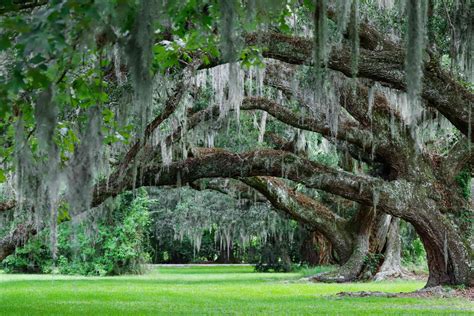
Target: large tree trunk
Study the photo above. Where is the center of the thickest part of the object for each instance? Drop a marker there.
(352, 268)
(391, 266)
(448, 260)
(316, 250)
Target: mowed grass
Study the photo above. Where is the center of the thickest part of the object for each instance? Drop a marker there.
(208, 291)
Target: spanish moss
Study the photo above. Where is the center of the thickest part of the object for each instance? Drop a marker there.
(415, 47)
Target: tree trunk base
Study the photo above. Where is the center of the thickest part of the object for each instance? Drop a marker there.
(433, 292)
(393, 273)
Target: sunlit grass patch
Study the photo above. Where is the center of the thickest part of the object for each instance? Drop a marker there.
(208, 290)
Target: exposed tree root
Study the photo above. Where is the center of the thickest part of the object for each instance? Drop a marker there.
(348, 272)
(392, 273)
(436, 292)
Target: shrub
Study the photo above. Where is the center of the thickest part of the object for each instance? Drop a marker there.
(117, 245)
(372, 261)
(414, 253)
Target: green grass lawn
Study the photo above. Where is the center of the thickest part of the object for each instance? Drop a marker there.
(208, 290)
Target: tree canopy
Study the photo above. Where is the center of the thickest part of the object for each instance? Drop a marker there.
(365, 102)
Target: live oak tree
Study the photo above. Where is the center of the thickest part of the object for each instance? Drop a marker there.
(391, 93)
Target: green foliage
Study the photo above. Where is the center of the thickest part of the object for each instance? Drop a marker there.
(34, 257)
(413, 252)
(464, 181)
(251, 56)
(240, 136)
(372, 261)
(118, 245)
(166, 249)
(3, 178)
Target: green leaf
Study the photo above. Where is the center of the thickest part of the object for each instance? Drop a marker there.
(5, 42)
(39, 80)
(3, 178)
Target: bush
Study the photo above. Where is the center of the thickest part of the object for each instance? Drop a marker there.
(372, 261)
(117, 245)
(414, 253)
(34, 257)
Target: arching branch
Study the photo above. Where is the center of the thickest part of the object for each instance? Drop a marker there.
(230, 187)
(395, 196)
(347, 130)
(305, 210)
(440, 90)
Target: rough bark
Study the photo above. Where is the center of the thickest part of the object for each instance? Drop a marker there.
(7, 205)
(448, 260)
(306, 211)
(317, 250)
(230, 187)
(391, 266)
(378, 236)
(352, 268)
(386, 66)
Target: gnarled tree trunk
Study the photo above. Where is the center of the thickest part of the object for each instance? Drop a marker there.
(392, 265)
(352, 268)
(317, 250)
(448, 260)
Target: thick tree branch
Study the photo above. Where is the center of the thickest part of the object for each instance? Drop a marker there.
(15, 238)
(440, 90)
(347, 131)
(230, 187)
(305, 210)
(7, 205)
(395, 197)
(171, 104)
